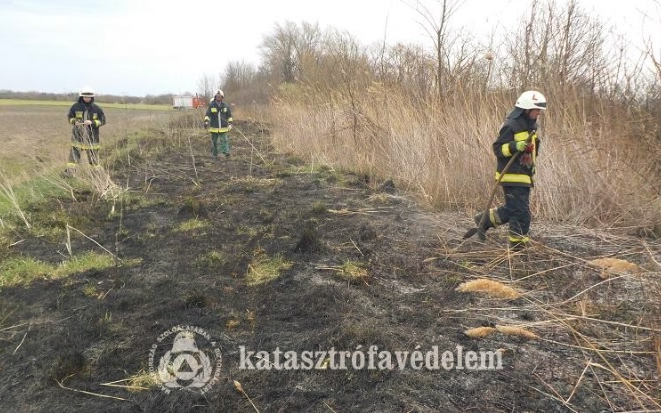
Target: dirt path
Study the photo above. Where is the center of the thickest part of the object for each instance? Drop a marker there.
(361, 265)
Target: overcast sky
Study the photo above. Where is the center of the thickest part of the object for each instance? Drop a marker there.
(140, 47)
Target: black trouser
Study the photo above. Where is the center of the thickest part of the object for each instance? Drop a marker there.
(516, 212)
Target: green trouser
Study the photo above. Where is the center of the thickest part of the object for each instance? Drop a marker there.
(224, 143)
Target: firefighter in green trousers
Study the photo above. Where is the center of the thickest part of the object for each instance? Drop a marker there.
(218, 121)
(518, 134)
(86, 117)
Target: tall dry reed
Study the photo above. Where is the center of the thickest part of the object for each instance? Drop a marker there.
(589, 170)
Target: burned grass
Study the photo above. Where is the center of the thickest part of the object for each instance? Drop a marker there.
(265, 253)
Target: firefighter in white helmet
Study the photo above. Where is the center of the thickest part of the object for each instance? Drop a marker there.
(86, 117)
(218, 121)
(518, 134)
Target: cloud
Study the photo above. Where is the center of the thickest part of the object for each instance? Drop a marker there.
(142, 47)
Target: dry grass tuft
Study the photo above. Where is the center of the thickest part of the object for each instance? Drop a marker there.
(517, 331)
(480, 332)
(490, 288)
(140, 381)
(232, 324)
(615, 266)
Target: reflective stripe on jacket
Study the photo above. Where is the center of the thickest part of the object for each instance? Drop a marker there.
(219, 116)
(515, 130)
(80, 112)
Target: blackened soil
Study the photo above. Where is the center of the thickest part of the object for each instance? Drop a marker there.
(362, 265)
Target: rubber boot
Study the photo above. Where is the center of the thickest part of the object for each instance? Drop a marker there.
(482, 229)
(70, 172)
(518, 243)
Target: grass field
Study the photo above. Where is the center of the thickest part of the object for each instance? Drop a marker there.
(36, 142)
(132, 106)
(36, 134)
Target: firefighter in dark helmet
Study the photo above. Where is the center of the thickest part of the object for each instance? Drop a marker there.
(518, 134)
(86, 117)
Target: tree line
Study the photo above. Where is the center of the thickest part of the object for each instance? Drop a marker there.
(426, 115)
(165, 99)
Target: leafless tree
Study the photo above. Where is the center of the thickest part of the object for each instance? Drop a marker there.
(279, 51)
(436, 24)
(205, 86)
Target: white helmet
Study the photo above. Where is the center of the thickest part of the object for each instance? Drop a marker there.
(219, 92)
(87, 92)
(531, 99)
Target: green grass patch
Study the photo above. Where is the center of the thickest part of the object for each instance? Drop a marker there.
(20, 271)
(210, 259)
(125, 149)
(91, 290)
(320, 172)
(352, 271)
(13, 166)
(85, 262)
(35, 189)
(39, 202)
(264, 269)
(192, 224)
(246, 230)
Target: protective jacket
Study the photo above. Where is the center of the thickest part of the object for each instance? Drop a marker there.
(517, 127)
(218, 116)
(86, 137)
